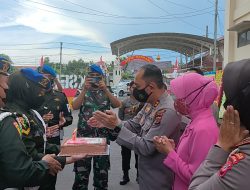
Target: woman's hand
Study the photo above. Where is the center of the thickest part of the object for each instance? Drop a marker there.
(230, 131)
(163, 144)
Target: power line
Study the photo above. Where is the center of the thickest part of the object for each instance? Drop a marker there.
(93, 21)
(118, 16)
(45, 43)
(180, 5)
(85, 45)
(29, 49)
(108, 23)
(28, 44)
(168, 12)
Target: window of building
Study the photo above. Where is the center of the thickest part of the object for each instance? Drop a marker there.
(244, 38)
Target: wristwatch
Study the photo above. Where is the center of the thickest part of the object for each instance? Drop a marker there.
(117, 128)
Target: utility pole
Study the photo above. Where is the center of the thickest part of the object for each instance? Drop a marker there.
(207, 31)
(215, 35)
(61, 44)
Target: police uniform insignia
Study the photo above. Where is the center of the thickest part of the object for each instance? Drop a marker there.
(44, 82)
(156, 103)
(158, 116)
(18, 128)
(231, 161)
(142, 121)
(148, 108)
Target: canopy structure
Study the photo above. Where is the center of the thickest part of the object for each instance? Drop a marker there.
(186, 44)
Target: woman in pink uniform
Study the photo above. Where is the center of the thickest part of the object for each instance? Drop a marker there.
(194, 95)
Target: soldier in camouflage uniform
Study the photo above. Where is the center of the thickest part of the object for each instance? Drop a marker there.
(94, 96)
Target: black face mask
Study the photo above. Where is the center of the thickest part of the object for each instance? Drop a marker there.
(39, 102)
(141, 95)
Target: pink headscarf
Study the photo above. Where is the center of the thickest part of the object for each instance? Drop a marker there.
(182, 86)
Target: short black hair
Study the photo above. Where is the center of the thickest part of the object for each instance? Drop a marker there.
(153, 74)
(197, 70)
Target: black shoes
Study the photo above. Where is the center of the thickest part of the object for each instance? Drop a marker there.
(125, 179)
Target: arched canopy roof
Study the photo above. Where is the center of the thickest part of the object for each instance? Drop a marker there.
(186, 44)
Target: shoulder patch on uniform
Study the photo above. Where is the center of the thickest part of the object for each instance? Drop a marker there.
(231, 161)
(18, 128)
(25, 125)
(158, 116)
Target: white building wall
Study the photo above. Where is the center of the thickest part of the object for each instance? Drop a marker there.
(236, 12)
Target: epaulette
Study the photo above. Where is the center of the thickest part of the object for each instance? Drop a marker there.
(234, 158)
(16, 123)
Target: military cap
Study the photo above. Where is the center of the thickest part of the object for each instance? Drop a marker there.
(97, 69)
(46, 69)
(36, 77)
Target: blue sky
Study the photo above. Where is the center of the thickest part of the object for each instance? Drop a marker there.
(87, 27)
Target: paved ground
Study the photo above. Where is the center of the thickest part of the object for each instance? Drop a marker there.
(66, 177)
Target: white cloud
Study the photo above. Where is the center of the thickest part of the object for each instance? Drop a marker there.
(47, 22)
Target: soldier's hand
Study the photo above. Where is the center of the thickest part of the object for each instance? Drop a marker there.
(230, 131)
(74, 158)
(108, 119)
(62, 120)
(54, 165)
(87, 83)
(48, 116)
(50, 131)
(102, 85)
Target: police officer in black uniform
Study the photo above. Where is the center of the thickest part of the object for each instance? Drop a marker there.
(55, 109)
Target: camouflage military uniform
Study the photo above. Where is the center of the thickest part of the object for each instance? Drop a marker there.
(93, 101)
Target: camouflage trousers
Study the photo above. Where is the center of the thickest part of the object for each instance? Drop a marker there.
(82, 169)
